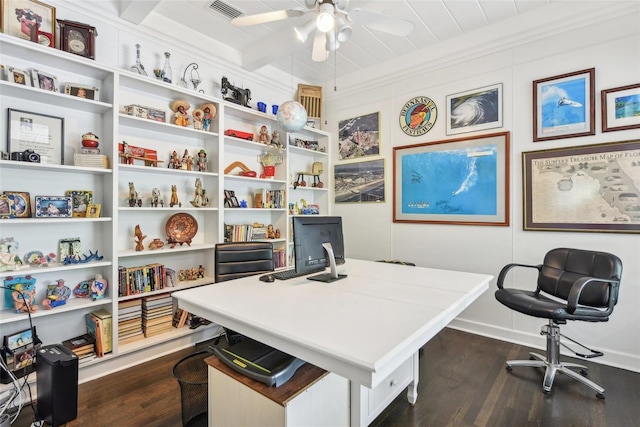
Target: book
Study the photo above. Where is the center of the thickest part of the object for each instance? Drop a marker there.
(107, 328)
(95, 330)
(81, 345)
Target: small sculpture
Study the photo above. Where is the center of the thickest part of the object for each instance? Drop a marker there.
(24, 299)
(186, 161)
(139, 237)
(155, 197)
(202, 160)
(210, 112)
(277, 233)
(57, 295)
(270, 233)
(200, 198)
(263, 137)
(174, 196)
(198, 118)
(174, 161)
(9, 259)
(200, 272)
(275, 139)
(133, 196)
(98, 287)
(156, 244)
(180, 108)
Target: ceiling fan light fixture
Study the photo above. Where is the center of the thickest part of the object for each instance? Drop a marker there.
(332, 42)
(303, 31)
(344, 30)
(325, 20)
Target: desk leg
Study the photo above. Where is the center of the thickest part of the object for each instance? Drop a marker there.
(359, 405)
(412, 390)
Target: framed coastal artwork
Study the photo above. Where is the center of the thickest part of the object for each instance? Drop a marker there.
(359, 182)
(475, 110)
(359, 136)
(460, 181)
(621, 108)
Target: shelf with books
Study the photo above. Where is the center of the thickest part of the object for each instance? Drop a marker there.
(175, 333)
(180, 286)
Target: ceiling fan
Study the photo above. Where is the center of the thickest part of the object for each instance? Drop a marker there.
(331, 21)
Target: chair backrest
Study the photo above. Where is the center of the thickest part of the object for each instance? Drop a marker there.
(241, 259)
(563, 266)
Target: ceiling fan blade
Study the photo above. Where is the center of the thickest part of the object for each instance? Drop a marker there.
(263, 18)
(386, 24)
(320, 52)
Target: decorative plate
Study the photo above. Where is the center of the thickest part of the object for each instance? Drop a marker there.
(33, 258)
(181, 228)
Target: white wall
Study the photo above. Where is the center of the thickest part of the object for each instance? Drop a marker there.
(542, 46)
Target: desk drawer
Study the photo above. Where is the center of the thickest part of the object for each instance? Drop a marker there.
(389, 388)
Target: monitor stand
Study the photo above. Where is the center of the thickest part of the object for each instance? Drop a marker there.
(333, 275)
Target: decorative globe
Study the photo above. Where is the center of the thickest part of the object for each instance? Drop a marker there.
(292, 116)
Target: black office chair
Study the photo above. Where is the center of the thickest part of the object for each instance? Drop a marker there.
(573, 284)
(241, 259)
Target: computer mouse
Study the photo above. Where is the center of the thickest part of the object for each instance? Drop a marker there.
(268, 278)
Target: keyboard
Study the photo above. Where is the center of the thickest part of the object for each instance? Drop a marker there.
(290, 274)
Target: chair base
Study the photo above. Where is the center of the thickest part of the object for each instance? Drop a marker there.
(553, 365)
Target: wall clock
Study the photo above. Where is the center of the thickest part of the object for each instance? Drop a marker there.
(77, 38)
(418, 116)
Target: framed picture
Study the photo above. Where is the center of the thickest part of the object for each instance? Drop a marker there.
(7, 211)
(44, 80)
(89, 92)
(21, 18)
(230, 200)
(21, 203)
(564, 106)
(359, 182)
(80, 201)
(93, 210)
(586, 188)
(38, 132)
(53, 207)
(69, 247)
(18, 76)
(359, 136)
(475, 110)
(621, 108)
(459, 181)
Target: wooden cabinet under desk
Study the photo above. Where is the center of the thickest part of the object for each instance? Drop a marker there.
(312, 397)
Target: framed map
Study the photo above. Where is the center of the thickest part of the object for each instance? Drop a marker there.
(459, 181)
(359, 136)
(586, 188)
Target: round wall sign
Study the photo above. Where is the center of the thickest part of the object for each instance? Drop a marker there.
(418, 116)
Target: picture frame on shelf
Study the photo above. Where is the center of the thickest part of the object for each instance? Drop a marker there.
(80, 201)
(564, 106)
(27, 283)
(41, 133)
(474, 110)
(7, 211)
(559, 192)
(230, 200)
(620, 108)
(93, 210)
(350, 189)
(18, 76)
(359, 136)
(44, 81)
(53, 207)
(21, 17)
(81, 91)
(21, 203)
(462, 181)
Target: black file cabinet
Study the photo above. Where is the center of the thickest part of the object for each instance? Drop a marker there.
(57, 379)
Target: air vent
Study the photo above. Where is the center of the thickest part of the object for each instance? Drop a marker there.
(225, 9)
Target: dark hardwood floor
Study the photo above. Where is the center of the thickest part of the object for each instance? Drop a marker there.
(463, 382)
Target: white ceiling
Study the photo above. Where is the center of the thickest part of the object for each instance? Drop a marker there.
(274, 43)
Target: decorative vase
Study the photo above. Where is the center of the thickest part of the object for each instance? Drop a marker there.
(167, 74)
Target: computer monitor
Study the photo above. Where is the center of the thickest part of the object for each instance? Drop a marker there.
(318, 243)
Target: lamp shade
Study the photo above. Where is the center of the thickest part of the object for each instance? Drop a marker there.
(291, 116)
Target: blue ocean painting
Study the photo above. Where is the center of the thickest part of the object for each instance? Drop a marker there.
(451, 182)
(628, 106)
(563, 104)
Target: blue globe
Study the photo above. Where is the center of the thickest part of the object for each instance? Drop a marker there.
(292, 116)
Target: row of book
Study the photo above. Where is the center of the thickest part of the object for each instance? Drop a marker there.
(137, 280)
(244, 233)
(157, 314)
(130, 321)
(270, 199)
(279, 259)
(98, 340)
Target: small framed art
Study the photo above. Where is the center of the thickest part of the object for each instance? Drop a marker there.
(359, 182)
(18, 76)
(93, 210)
(21, 203)
(88, 92)
(21, 17)
(80, 201)
(475, 110)
(44, 80)
(564, 106)
(359, 136)
(6, 207)
(53, 207)
(38, 132)
(621, 108)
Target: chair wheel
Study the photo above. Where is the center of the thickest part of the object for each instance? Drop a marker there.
(546, 392)
(600, 396)
(509, 368)
(584, 372)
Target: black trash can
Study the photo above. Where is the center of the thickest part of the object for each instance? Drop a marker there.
(191, 373)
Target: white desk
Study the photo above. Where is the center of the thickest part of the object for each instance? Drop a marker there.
(363, 327)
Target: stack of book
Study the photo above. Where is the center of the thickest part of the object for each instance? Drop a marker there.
(89, 160)
(157, 314)
(82, 346)
(129, 321)
(180, 318)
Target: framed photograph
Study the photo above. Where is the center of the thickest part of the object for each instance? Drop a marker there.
(44, 80)
(53, 207)
(475, 110)
(80, 201)
(38, 132)
(359, 182)
(230, 200)
(21, 18)
(18, 76)
(21, 203)
(7, 210)
(621, 108)
(359, 136)
(586, 188)
(69, 247)
(88, 92)
(461, 181)
(93, 210)
(564, 106)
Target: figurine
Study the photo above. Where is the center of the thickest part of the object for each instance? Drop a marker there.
(98, 287)
(200, 272)
(263, 137)
(174, 161)
(277, 233)
(200, 199)
(275, 139)
(156, 244)
(139, 237)
(155, 197)
(270, 233)
(9, 259)
(174, 196)
(186, 161)
(180, 107)
(133, 195)
(198, 119)
(202, 160)
(56, 295)
(23, 300)
(209, 114)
